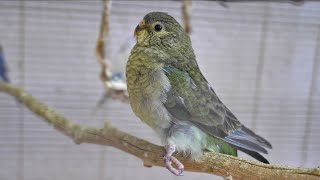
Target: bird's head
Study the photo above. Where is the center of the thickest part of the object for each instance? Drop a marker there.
(159, 28)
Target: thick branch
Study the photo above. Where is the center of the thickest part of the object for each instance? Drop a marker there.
(151, 154)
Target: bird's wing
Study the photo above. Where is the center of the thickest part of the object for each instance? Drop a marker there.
(192, 99)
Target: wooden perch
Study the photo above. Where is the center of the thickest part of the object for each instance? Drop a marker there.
(151, 154)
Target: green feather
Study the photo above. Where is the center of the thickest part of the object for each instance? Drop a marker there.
(168, 91)
(224, 148)
(181, 85)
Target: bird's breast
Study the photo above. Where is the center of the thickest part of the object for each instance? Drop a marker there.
(147, 88)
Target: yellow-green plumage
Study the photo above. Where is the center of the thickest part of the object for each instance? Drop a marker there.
(168, 92)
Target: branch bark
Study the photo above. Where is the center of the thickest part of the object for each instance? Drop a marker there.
(151, 154)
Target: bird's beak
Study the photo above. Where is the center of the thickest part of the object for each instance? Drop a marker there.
(139, 27)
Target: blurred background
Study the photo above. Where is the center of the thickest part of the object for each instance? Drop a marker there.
(262, 59)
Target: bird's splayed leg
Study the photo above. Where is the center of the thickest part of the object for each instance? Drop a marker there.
(169, 159)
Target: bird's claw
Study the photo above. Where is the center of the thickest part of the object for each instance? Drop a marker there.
(168, 160)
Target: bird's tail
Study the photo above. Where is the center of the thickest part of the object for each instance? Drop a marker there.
(247, 141)
(254, 154)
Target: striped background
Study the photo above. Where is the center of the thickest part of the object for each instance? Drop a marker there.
(261, 58)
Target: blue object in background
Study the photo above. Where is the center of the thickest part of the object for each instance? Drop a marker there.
(117, 76)
(3, 68)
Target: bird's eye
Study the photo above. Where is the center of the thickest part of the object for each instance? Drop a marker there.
(158, 27)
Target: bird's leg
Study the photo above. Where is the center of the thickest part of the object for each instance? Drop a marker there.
(169, 159)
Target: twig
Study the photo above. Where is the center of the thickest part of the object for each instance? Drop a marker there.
(151, 154)
(114, 89)
(105, 75)
(186, 7)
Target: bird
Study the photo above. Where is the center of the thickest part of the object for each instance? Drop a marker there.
(169, 93)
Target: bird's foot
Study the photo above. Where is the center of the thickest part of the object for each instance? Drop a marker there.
(169, 160)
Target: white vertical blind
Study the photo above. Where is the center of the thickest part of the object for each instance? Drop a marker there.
(262, 59)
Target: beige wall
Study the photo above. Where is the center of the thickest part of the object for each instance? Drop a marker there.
(261, 58)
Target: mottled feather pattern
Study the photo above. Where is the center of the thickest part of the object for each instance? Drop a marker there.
(200, 101)
(147, 86)
(168, 92)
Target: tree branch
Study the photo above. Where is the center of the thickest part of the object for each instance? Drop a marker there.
(151, 154)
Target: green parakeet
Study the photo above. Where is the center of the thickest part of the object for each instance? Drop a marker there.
(168, 92)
